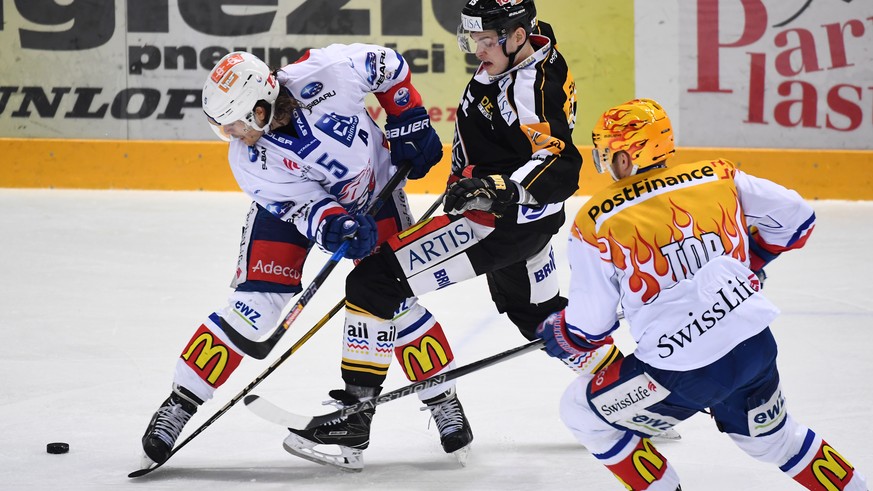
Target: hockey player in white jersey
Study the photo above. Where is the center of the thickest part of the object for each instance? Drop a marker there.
(304, 148)
(670, 247)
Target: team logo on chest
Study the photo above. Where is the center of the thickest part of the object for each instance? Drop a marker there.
(311, 90)
(486, 107)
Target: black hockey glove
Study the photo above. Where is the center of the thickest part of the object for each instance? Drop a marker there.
(414, 140)
(492, 194)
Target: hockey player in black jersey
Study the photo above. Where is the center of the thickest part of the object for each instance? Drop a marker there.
(513, 165)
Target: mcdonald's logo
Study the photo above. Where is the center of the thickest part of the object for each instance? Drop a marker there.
(641, 468)
(213, 361)
(650, 464)
(424, 358)
(830, 469)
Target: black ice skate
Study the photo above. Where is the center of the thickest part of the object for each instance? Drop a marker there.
(351, 435)
(455, 432)
(167, 424)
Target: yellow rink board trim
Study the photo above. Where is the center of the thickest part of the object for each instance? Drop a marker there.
(200, 165)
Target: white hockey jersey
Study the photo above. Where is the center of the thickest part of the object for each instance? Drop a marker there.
(332, 154)
(670, 247)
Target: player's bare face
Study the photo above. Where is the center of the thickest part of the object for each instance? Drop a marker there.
(489, 50)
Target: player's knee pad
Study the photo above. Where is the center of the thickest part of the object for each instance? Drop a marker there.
(373, 287)
(577, 415)
(632, 459)
(368, 342)
(527, 317)
(774, 448)
(422, 348)
(254, 314)
(207, 360)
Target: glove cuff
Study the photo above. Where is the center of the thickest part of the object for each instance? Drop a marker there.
(758, 255)
(414, 112)
(571, 342)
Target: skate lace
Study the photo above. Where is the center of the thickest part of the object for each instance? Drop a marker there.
(337, 404)
(170, 421)
(447, 415)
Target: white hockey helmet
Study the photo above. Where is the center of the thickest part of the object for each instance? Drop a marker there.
(234, 86)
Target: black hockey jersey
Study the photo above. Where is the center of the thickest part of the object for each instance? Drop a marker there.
(519, 123)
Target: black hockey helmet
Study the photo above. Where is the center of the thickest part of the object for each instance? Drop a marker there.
(498, 15)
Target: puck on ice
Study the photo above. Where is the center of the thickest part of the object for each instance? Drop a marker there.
(57, 447)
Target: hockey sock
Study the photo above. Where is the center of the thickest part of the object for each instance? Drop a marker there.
(639, 466)
(207, 360)
(367, 346)
(825, 469)
(423, 349)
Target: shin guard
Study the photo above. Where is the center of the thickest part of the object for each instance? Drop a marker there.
(368, 342)
(207, 360)
(820, 468)
(422, 348)
(638, 465)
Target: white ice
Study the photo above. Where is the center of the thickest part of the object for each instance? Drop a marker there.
(101, 290)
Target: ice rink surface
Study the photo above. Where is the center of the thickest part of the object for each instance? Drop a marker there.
(102, 289)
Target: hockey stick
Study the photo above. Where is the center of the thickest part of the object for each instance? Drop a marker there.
(311, 332)
(260, 349)
(271, 412)
(249, 388)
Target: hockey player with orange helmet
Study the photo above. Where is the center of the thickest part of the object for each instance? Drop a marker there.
(669, 246)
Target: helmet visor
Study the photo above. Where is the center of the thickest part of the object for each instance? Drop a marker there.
(228, 132)
(469, 41)
(601, 159)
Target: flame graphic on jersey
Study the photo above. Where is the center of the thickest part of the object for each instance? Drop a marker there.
(638, 251)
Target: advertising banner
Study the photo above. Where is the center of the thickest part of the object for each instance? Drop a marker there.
(134, 69)
(794, 74)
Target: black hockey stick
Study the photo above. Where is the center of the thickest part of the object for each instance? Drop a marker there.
(273, 413)
(311, 332)
(249, 388)
(260, 349)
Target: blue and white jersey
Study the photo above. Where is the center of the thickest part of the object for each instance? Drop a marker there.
(332, 157)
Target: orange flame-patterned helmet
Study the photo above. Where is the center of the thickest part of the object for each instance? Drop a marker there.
(639, 127)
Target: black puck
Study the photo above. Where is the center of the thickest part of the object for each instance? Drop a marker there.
(57, 447)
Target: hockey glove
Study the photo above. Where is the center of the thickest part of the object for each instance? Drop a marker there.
(492, 194)
(360, 230)
(414, 140)
(560, 342)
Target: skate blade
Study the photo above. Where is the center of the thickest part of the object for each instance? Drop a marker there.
(668, 435)
(348, 460)
(462, 454)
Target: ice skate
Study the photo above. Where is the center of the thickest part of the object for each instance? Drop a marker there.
(455, 433)
(348, 437)
(166, 425)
